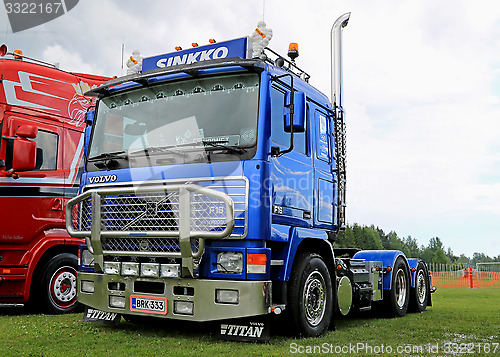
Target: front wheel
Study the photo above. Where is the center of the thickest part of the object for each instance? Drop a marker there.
(58, 284)
(311, 295)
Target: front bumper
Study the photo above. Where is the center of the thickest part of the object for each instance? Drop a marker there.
(254, 296)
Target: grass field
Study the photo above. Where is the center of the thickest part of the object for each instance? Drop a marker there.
(461, 321)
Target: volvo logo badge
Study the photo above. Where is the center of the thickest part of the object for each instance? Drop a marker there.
(144, 244)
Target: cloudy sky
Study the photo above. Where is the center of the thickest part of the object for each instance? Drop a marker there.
(421, 91)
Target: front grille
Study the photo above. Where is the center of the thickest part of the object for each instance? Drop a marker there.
(142, 212)
(137, 214)
(151, 245)
(126, 244)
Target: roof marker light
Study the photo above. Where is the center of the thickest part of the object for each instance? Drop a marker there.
(178, 48)
(3, 50)
(293, 51)
(212, 40)
(20, 55)
(194, 44)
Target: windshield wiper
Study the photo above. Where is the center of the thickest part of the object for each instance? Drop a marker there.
(155, 150)
(109, 156)
(198, 143)
(218, 145)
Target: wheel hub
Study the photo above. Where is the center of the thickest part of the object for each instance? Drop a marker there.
(63, 287)
(421, 287)
(314, 298)
(401, 288)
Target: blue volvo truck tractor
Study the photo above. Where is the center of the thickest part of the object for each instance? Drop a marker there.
(214, 188)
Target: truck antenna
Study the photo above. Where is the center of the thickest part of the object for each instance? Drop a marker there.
(123, 50)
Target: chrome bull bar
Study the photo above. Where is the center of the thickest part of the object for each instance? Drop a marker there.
(191, 218)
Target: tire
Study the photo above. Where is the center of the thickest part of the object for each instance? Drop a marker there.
(59, 284)
(419, 295)
(399, 295)
(310, 296)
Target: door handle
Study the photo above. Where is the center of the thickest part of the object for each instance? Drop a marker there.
(56, 204)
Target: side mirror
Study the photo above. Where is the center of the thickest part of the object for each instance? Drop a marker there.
(89, 120)
(24, 150)
(89, 117)
(27, 131)
(298, 111)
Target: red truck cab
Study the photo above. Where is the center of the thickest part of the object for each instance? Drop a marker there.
(42, 122)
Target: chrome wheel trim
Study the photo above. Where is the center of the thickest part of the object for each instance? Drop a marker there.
(401, 288)
(421, 286)
(314, 298)
(63, 287)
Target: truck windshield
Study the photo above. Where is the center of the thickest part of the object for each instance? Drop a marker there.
(214, 114)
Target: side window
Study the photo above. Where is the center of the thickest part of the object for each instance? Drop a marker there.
(46, 155)
(278, 134)
(323, 136)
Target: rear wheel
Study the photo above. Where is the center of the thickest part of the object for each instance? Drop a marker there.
(399, 294)
(311, 295)
(420, 293)
(59, 285)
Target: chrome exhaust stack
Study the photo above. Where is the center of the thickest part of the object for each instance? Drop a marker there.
(340, 129)
(336, 48)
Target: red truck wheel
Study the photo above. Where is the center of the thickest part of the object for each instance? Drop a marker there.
(59, 284)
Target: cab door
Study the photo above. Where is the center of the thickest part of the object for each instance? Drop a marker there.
(72, 157)
(291, 173)
(325, 178)
(33, 202)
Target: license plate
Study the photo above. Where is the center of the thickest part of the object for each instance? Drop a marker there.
(153, 305)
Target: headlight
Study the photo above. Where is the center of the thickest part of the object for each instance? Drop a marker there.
(227, 296)
(169, 270)
(230, 262)
(130, 269)
(112, 268)
(117, 302)
(87, 286)
(87, 258)
(184, 307)
(150, 269)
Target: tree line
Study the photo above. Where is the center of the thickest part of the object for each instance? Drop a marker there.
(371, 237)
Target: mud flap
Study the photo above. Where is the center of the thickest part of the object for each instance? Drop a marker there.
(95, 315)
(255, 329)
